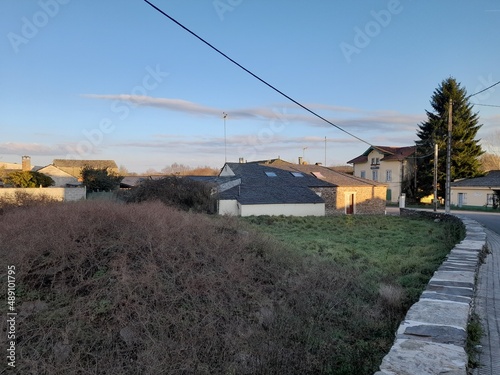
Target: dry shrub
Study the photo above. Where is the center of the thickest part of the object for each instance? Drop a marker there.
(104, 288)
(180, 192)
(392, 299)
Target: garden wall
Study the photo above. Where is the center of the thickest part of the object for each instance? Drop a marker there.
(57, 193)
(432, 337)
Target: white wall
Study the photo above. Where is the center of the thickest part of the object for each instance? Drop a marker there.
(228, 207)
(306, 209)
(57, 193)
(472, 196)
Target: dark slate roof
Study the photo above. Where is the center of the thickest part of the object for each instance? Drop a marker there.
(329, 175)
(390, 153)
(208, 179)
(257, 188)
(271, 195)
(491, 180)
(131, 181)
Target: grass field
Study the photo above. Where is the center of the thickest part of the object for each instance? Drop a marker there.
(124, 289)
(387, 249)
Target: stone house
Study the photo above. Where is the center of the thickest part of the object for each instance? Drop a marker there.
(389, 165)
(74, 167)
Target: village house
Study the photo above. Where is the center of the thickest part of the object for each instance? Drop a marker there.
(74, 167)
(66, 187)
(277, 187)
(390, 165)
(477, 192)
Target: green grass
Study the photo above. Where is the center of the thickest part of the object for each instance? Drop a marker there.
(389, 248)
(474, 334)
(392, 258)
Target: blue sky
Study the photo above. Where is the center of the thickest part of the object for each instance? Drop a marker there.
(117, 80)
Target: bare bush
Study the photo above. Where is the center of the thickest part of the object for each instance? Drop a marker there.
(392, 298)
(180, 192)
(112, 289)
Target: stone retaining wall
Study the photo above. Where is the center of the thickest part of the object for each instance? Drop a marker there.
(432, 337)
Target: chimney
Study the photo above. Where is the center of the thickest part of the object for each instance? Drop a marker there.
(26, 163)
(300, 160)
(318, 164)
(241, 160)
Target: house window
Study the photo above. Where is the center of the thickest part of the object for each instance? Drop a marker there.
(363, 174)
(489, 199)
(375, 175)
(375, 161)
(492, 200)
(271, 174)
(388, 176)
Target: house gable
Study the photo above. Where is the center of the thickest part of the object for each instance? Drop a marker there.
(60, 177)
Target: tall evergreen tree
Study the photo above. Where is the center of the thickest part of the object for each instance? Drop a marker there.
(465, 148)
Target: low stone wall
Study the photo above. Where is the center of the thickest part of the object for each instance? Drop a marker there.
(432, 337)
(57, 193)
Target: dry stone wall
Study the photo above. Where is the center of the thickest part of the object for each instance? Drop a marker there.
(431, 339)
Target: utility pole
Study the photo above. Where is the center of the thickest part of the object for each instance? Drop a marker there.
(448, 160)
(224, 115)
(325, 151)
(436, 155)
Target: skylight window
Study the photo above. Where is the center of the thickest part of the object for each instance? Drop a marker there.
(318, 175)
(271, 174)
(297, 174)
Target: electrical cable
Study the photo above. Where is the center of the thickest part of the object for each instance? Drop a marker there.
(488, 105)
(479, 92)
(256, 76)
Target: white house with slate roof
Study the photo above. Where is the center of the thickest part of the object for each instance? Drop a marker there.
(264, 190)
(277, 187)
(477, 192)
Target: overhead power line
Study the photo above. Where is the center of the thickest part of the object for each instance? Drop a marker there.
(487, 88)
(488, 105)
(254, 75)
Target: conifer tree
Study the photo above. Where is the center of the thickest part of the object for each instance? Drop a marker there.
(465, 148)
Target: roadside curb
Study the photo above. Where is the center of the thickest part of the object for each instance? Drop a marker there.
(432, 337)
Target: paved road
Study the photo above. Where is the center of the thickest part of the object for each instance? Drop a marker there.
(488, 219)
(488, 307)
